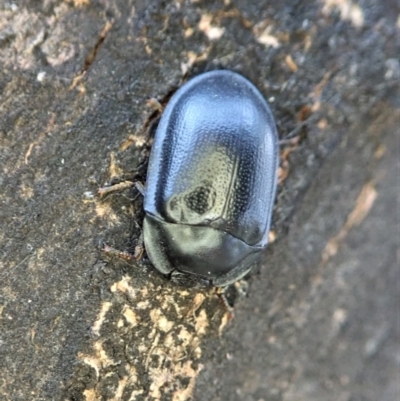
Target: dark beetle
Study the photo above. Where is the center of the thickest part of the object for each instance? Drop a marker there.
(211, 180)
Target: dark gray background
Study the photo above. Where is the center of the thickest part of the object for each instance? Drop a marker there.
(75, 81)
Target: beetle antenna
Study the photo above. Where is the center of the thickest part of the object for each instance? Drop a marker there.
(221, 295)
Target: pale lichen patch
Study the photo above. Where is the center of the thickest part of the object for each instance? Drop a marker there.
(79, 3)
(188, 371)
(263, 34)
(202, 323)
(92, 362)
(114, 169)
(349, 11)
(197, 302)
(105, 211)
(212, 31)
(90, 395)
(26, 192)
(142, 305)
(158, 330)
(131, 317)
(101, 355)
(159, 319)
(192, 58)
(185, 336)
(224, 321)
(105, 307)
(124, 287)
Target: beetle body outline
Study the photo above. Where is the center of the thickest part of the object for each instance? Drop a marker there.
(211, 180)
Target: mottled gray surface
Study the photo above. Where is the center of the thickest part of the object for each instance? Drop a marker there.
(75, 78)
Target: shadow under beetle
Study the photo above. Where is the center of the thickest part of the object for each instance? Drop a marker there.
(211, 180)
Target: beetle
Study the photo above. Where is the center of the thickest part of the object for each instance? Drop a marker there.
(211, 180)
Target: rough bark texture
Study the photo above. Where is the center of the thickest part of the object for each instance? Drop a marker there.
(319, 318)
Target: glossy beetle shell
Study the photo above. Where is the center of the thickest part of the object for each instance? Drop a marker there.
(211, 180)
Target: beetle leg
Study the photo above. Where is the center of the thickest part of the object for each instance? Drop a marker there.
(137, 255)
(140, 187)
(293, 141)
(220, 291)
(119, 254)
(139, 248)
(188, 280)
(120, 187)
(155, 104)
(114, 188)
